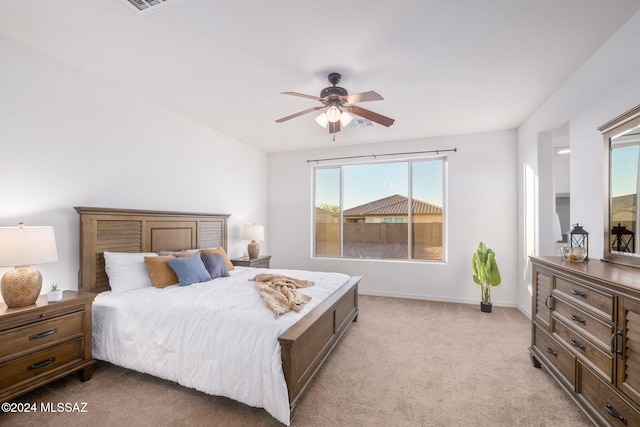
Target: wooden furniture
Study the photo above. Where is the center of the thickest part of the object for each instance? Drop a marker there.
(586, 333)
(261, 262)
(304, 346)
(43, 342)
(125, 230)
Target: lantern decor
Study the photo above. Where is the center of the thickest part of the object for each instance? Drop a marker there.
(579, 238)
(623, 239)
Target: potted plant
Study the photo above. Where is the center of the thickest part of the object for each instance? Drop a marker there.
(485, 273)
(55, 293)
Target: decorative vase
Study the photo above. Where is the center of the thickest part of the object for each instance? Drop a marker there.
(485, 307)
(54, 296)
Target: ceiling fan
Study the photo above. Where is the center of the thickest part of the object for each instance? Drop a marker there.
(337, 104)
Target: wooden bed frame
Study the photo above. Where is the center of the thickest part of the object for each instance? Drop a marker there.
(304, 346)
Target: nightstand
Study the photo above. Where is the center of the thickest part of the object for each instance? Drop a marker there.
(43, 342)
(261, 262)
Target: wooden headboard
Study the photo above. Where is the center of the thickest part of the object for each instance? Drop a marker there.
(127, 230)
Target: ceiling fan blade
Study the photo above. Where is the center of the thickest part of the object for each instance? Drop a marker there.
(354, 98)
(302, 95)
(293, 116)
(334, 127)
(370, 115)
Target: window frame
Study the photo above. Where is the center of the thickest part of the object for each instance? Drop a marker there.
(409, 161)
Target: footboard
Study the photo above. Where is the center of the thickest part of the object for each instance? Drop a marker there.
(307, 344)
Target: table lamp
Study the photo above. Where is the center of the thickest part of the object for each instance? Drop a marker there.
(21, 247)
(255, 233)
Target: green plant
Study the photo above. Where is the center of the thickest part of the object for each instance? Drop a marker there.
(54, 287)
(485, 270)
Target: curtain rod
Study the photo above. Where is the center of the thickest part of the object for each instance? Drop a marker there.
(381, 155)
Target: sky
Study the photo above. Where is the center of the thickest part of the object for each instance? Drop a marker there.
(624, 162)
(624, 170)
(372, 181)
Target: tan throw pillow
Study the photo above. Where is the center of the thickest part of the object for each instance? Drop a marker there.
(220, 251)
(161, 274)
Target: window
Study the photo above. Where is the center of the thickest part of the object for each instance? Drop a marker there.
(388, 210)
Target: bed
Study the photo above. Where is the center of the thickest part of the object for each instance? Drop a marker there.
(298, 349)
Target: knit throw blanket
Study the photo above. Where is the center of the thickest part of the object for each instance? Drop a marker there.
(280, 294)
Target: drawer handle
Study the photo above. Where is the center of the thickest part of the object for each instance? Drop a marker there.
(552, 351)
(577, 343)
(614, 412)
(579, 293)
(616, 342)
(41, 364)
(42, 334)
(578, 318)
(547, 302)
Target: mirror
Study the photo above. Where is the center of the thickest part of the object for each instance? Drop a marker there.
(622, 194)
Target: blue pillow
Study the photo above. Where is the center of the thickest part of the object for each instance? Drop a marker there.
(189, 270)
(215, 264)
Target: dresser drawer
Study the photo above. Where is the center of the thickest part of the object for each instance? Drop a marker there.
(40, 363)
(585, 322)
(614, 409)
(585, 349)
(599, 302)
(48, 331)
(556, 354)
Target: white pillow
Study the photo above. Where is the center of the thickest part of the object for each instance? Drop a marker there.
(126, 271)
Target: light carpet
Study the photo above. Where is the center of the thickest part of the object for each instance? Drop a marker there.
(403, 363)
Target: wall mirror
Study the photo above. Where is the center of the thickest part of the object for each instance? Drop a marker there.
(622, 192)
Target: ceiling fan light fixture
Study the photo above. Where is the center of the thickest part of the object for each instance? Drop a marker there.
(322, 119)
(345, 118)
(333, 114)
(338, 109)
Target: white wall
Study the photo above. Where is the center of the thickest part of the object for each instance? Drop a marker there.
(606, 86)
(482, 197)
(68, 139)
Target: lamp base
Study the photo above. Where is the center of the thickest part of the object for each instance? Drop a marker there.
(21, 286)
(253, 249)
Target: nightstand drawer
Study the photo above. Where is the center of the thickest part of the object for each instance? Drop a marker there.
(262, 263)
(40, 363)
(38, 314)
(41, 333)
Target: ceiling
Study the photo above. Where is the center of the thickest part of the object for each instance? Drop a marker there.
(443, 67)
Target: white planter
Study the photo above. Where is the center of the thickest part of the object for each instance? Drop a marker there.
(54, 296)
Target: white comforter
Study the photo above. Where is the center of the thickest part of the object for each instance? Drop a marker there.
(217, 337)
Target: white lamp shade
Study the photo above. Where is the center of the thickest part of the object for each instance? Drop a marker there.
(27, 246)
(322, 120)
(253, 232)
(333, 114)
(345, 119)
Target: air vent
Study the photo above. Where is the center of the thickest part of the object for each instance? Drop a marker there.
(360, 123)
(147, 6)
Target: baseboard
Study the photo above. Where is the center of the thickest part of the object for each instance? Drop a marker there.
(433, 298)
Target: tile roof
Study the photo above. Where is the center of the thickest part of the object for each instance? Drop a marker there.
(393, 205)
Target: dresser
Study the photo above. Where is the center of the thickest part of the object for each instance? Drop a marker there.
(586, 333)
(43, 342)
